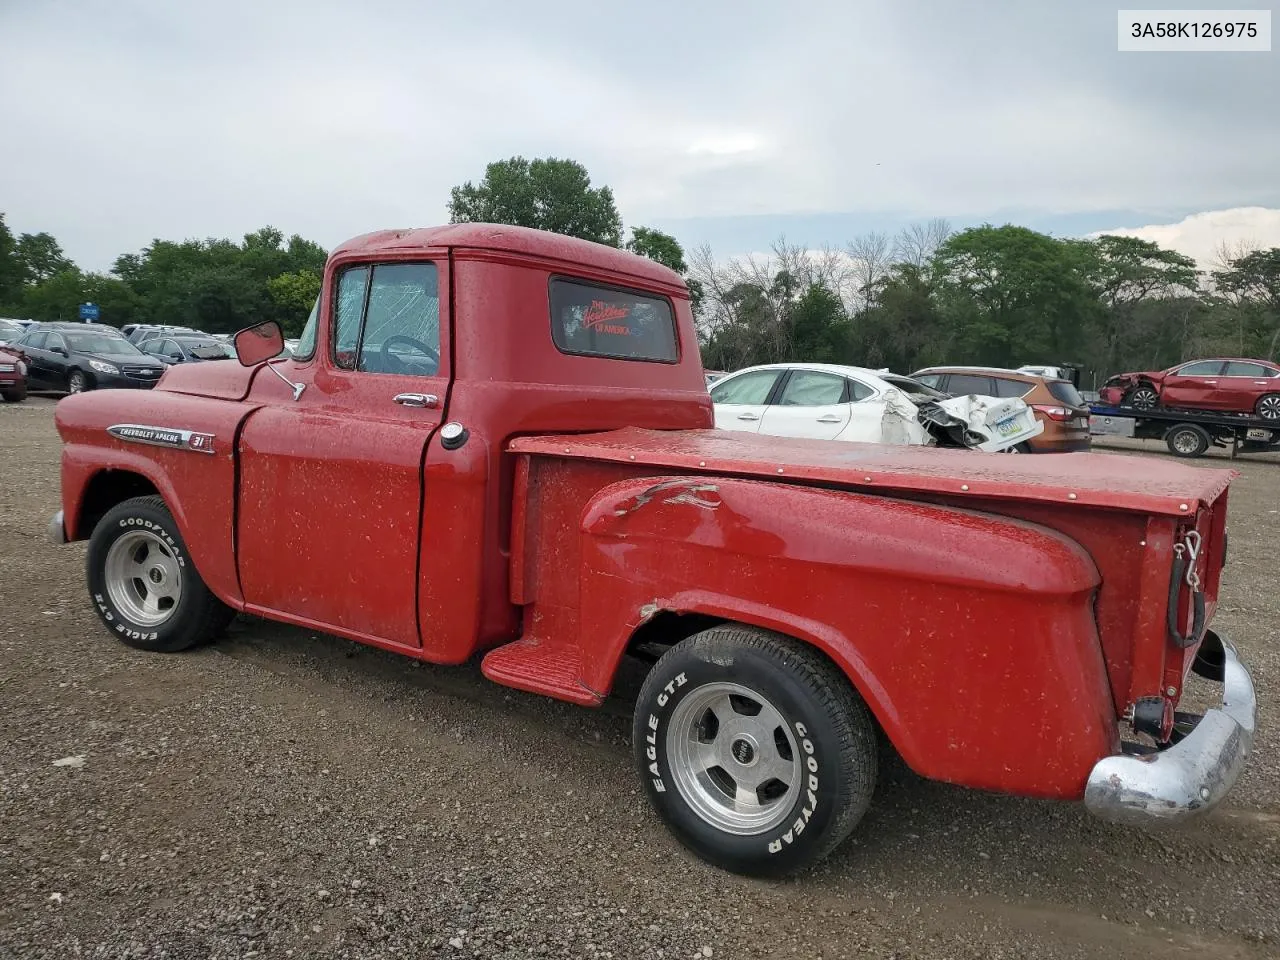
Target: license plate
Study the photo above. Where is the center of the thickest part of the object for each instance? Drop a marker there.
(1263, 435)
(1008, 427)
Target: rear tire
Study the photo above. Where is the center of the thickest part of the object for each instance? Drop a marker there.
(1187, 440)
(754, 749)
(1268, 407)
(143, 583)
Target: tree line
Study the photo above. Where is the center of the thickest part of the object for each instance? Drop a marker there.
(989, 295)
(213, 285)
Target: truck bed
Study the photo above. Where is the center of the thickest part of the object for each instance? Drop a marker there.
(1111, 481)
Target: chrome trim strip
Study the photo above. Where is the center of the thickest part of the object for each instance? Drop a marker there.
(171, 437)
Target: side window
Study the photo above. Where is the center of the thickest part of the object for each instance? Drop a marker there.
(35, 341)
(859, 391)
(1238, 368)
(963, 384)
(750, 388)
(348, 306)
(402, 323)
(930, 380)
(55, 342)
(1011, 388)
(172, 350)
(1201, 368)
(810, 388)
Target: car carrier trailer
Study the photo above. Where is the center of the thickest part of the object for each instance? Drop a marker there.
(1188, 433)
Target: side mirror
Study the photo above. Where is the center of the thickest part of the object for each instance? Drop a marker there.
(257, 344)
(60, 351)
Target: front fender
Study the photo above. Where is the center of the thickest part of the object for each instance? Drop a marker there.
(970, 636)
(197, 484)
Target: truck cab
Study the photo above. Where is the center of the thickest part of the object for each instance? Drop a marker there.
(498, 443)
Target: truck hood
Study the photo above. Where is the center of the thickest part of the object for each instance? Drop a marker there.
(224, 381)
(1105, 480)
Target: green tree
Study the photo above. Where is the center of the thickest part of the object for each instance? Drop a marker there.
(546, 194)
(1125, 273)
(294, 294)
(658, 246)
(1013, 293)
(1252, 284)
(41, 257)
(12, 274)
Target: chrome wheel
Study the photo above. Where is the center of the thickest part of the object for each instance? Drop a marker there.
(733, 758)
(1269, 407)
(143, 578)
(76, 382)
(1144, 398)
(1186, 442)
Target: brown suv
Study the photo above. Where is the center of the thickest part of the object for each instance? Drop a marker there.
(1057, 403)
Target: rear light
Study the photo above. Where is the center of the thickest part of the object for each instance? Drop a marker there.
(1061, 414)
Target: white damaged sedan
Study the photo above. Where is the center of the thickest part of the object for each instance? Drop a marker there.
(832, 402)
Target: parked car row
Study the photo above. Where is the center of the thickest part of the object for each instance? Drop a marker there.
(74, 357)
(989, 410)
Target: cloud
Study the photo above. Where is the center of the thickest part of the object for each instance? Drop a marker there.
(1202, 236)
(147, 118)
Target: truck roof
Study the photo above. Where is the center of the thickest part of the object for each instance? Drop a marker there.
(1092, 479)
(542, 244)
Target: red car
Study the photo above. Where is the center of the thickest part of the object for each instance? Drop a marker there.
(1228, 385)
(13, 377)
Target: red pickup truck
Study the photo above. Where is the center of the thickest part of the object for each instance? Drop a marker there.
(498, 442)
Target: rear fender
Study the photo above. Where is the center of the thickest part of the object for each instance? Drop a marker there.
(971, 637)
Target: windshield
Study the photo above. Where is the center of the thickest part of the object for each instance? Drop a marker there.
(100, 343)
(914, 389)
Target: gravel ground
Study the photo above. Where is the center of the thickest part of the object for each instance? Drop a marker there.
(282, 794)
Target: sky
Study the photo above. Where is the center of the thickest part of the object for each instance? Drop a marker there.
(729, 124)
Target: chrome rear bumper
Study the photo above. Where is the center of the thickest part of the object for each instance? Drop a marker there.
(56, 530)
(1192, 776)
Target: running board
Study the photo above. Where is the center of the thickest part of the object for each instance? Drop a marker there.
(535, 666)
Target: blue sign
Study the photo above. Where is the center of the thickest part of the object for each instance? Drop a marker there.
(89, 312)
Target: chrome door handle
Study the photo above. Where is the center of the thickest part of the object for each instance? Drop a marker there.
(828, 419)
(747, 416)
(1260, 383)
(1214, 382)
(417, 399)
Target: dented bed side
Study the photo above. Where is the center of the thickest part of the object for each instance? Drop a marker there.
(937, 615)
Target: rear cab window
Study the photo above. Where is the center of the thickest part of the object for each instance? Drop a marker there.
(595, 320)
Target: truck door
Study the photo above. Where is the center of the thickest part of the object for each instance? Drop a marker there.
(331, 493)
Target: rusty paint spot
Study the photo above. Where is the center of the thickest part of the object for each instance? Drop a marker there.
(648, 611)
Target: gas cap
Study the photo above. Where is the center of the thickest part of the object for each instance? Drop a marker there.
(453, 435)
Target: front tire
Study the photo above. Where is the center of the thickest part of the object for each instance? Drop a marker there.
(15, 396)
(754, 749)
(143, 584)
(1142, 397)
(78, 382)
